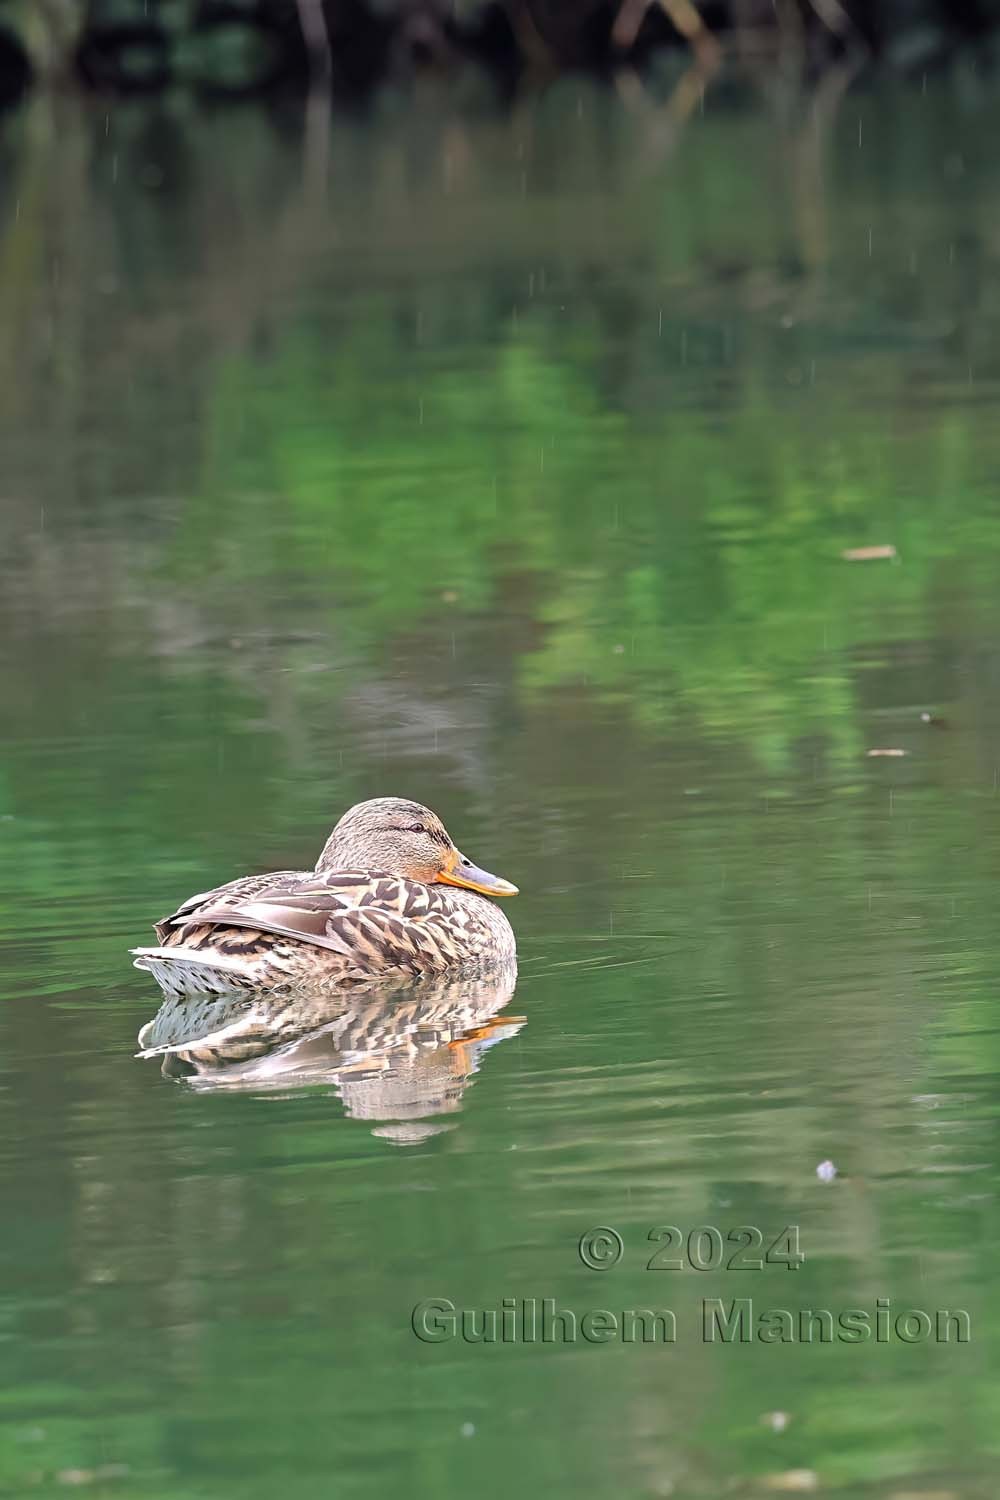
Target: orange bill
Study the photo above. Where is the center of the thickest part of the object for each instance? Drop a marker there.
(464, 873)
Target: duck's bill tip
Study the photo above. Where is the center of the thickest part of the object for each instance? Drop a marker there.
(470, 877)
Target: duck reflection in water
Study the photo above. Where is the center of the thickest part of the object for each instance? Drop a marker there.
(399, 1053)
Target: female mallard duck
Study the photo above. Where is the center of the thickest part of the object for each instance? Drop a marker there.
(390, 895)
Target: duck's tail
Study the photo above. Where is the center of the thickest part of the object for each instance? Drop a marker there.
(187, 971)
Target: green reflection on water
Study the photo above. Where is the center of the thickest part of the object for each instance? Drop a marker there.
(507, 464)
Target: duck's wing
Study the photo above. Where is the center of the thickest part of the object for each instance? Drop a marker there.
(378, 921)
(242, 889)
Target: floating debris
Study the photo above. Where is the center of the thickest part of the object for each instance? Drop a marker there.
(891, 752)
(826, 1171)
(100, 1475)
(776, 1420)
(923, 1495)
(933, 719)
(869, 554)
(793, 1481)
(468, 1429)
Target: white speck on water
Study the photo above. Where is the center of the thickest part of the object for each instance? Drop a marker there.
(468, 1429)
(826, 1171)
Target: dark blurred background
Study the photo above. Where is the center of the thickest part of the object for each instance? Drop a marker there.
(239, 47)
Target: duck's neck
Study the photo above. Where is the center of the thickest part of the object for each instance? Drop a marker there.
(342, 852)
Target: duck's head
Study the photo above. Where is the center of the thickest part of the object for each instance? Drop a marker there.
(403, 838)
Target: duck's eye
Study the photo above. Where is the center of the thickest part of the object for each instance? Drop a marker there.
(417, 828)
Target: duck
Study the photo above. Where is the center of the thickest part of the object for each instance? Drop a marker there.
(391, 896)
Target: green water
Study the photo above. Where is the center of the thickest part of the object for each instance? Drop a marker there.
(506, 463)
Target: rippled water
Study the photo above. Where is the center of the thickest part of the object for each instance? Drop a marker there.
(506, 463)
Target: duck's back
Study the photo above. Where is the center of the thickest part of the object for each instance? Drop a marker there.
(338, 927)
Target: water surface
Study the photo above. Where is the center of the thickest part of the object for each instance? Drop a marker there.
(507, 463)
